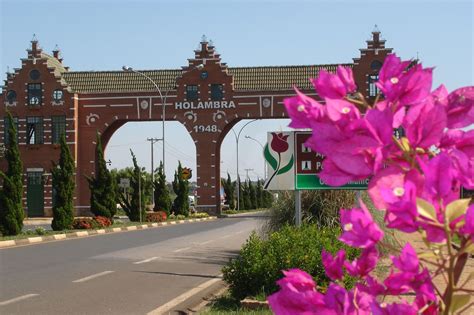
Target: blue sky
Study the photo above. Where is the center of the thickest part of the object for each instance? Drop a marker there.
(104, 35)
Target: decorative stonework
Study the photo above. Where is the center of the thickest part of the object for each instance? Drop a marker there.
(92, 118)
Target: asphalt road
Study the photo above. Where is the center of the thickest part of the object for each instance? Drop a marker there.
(122, 273)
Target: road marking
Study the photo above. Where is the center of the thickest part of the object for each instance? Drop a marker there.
(181, 249)
(165, 308)
(145, 261)
(206, 242)
(17, 299)
(93, 276)
(226, 236)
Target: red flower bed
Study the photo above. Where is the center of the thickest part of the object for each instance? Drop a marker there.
(158, 216)
(82, 224)
(102, 221)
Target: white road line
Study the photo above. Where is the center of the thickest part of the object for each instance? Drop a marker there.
(145, 261)
(17, 299)
(93, 276)
(181, 249)
(165, 308)
(226, 236)
(206, 242)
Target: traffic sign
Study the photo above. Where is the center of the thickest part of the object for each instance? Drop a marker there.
(124, 182)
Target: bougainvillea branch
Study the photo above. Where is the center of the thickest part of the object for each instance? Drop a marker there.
(415, 179)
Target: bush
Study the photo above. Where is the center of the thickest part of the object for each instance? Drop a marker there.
(101, 222)
(83, 223)
(40, 231)
(180, 217)
(260, 261)
(158, 216)
(320, 207)
(199, 215)
(172, 216)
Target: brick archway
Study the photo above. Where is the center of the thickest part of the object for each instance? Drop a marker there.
(206, 96)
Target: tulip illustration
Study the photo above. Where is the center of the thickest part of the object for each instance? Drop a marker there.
(279, 144)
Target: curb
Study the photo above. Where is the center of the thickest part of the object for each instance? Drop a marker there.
(80, 234)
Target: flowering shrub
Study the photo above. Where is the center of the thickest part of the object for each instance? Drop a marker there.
(199, 215)
(82, 223)
(415, 179)
(158, 216)
(102, 221)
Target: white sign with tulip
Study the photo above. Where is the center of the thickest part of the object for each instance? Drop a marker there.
(279, 154)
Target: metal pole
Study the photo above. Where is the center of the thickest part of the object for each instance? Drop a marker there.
(298, 207)
(152, 142)
(263, 152)
(140, 194)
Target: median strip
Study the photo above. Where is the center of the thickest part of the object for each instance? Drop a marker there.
(100, 274)
(77, 234)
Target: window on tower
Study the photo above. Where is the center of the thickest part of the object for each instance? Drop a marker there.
(58, 124)
(217, 92)
(373, 89)
(34, 130)
(192, 92)
(35, 94)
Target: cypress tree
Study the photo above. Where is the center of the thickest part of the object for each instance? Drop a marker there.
(229, 190)
(162, 194)
(252, 195)
(259, 194)
(11, 203)
(241, 194)
(63, 185)
(103, 186)
(181, 189)
(247, 199)
(132, 206)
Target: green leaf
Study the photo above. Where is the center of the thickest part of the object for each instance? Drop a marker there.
(287, 167)
(426, 209)
(457, 208)
(270, 159)
(459, 301)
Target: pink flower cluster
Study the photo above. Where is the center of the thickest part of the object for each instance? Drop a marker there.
(415, 179)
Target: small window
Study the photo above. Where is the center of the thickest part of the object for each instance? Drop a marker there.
(6, 127)
(57, 95)
(217, 92)
(34, 130)
(399, 132)
(306, 165)
(375, 65)
(11, 97)
(34, 74)
(35, 95)
(305, 149)
(373, 89)
(192, 92)
(58, 124)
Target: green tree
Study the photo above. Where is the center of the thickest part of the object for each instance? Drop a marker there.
(63, 185)
(246, 197)
(252, 195)
(181, 189)
(11, 206)
(132, 207)
(162, 194)
(103, 198)
(259, 194)
(241, 194)
(229, 191)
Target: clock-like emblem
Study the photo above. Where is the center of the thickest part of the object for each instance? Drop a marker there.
(144, 104)
(267, 102)
(204, 75)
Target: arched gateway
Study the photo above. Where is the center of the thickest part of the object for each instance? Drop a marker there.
(206, 96)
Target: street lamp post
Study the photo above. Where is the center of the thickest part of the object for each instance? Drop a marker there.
(237, 136)
(263, 148)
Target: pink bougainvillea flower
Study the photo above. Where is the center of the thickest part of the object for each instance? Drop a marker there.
(364, 264)
(441, 183)
(342, 301)
(399, 282)
(468, 228)
(359, 228)
(424, 124)
(297, 295)
(279, 142)
(337, 85)
(302, 110)
(333, 265)
(440, 95)
(371, 286)
(340, 111)
(423, 285)
(460, 107)
(407, 261)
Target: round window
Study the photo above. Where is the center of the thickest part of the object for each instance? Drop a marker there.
(34, 74)
(11, 96)
(57, 95)
(375, 65)
(204, 75)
